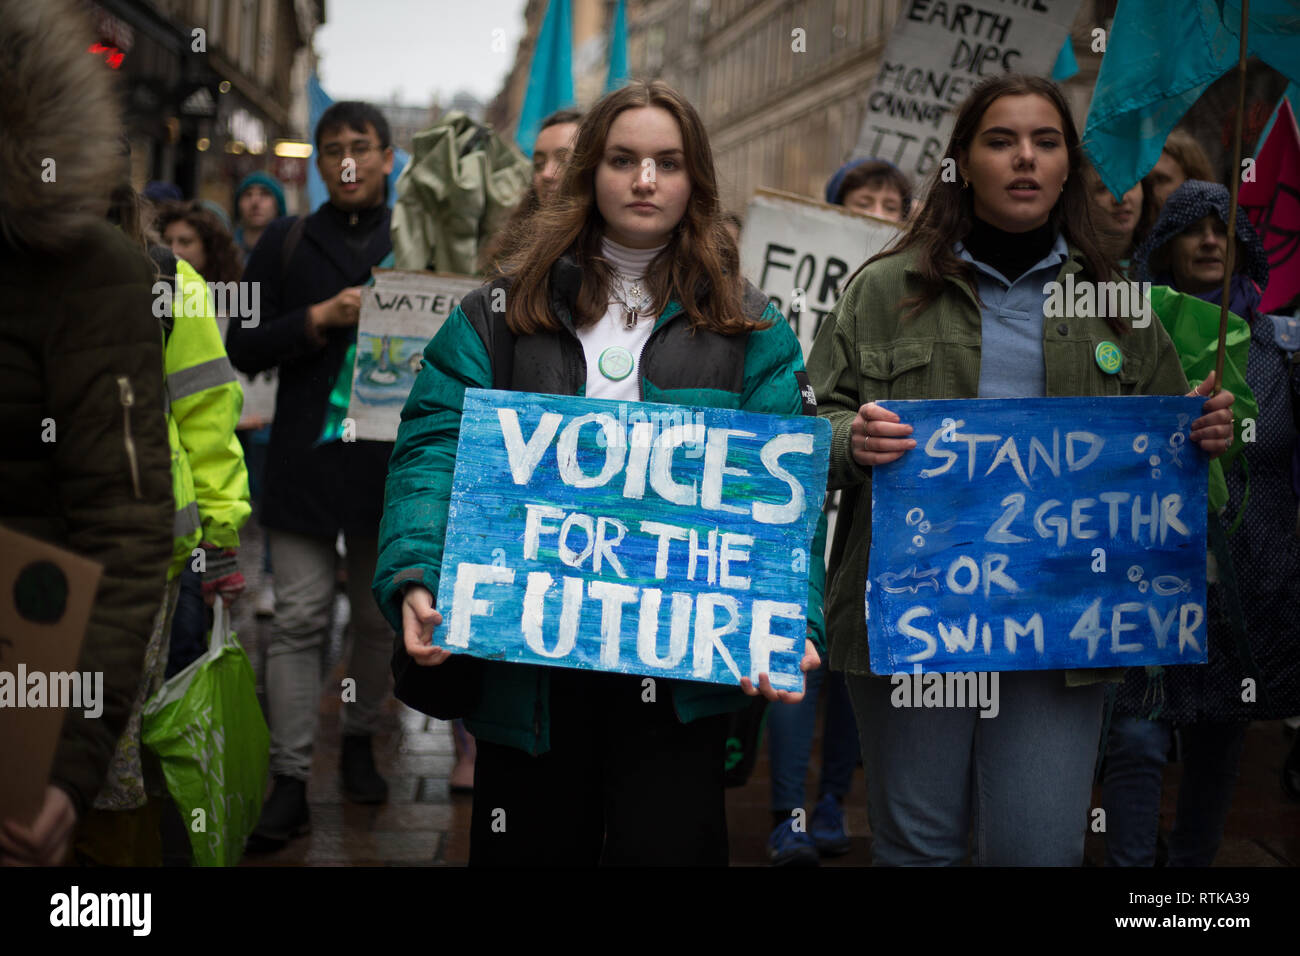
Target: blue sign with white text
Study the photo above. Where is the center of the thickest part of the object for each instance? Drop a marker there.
(639, 538)
(1031, 534)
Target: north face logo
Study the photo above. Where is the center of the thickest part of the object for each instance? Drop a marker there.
(809, 396)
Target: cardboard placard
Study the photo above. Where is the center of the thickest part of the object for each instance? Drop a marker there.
(802, 252)
(46, 595)
(937, 54)
(400, 313)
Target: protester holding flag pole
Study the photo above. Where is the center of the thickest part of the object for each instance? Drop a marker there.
(1253, 616)
(627, 287)
(1008, 216)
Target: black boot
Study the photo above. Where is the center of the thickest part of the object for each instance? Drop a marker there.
(284, 816)
(361, 781)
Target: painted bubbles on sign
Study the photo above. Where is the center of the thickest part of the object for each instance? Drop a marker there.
(1040, 533)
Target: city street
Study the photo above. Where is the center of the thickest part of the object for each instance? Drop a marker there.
(423, 824)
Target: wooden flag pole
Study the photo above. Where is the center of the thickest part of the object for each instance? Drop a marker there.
(1234, 179)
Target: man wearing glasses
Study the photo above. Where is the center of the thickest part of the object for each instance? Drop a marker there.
(311, 270)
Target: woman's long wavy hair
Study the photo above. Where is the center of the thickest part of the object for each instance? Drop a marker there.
(948, 213)
(223, 259)
(699, 268)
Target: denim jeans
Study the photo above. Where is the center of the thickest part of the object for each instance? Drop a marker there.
(1023, 779)
(790, 729)
(1136, 751)
(304, 593)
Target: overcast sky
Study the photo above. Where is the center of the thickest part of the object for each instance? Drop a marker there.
(423, 49)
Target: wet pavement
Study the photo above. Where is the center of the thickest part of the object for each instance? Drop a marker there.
(424, 824)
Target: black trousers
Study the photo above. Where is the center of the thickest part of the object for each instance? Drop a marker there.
(624, 783)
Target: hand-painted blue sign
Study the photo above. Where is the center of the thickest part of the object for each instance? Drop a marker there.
(632, 537)
(1031, 534)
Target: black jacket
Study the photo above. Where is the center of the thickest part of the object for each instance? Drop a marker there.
(310, 489)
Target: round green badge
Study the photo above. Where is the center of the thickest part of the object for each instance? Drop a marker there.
(615, 363)
(1109, 358)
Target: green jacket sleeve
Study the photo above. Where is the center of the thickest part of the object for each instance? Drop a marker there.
(833, 371)
(420, 470)
(773, 362)
(206, 400)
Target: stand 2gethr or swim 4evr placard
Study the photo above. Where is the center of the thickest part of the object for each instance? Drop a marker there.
(632, 537)
(1032, 534)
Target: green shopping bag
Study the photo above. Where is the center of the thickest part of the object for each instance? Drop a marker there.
(1193, 325)
(206, 727)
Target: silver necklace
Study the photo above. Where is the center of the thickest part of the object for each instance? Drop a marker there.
(635, 300)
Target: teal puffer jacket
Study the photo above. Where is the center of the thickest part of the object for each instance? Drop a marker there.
(758, 372)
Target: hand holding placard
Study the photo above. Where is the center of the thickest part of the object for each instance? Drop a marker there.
(419, 618)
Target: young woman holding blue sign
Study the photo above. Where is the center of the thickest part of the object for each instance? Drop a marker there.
(956, 311)
(625, 287)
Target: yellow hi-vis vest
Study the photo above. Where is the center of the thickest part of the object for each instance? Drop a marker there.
(204, 400)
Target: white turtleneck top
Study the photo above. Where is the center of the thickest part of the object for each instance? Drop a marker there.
(614, 353)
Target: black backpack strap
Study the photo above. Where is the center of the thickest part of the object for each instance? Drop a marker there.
(291, 241)
(502, 347)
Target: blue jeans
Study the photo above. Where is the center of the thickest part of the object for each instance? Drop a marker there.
(1136, 752)
(190, 624)
(1023, 779)
(790, 729)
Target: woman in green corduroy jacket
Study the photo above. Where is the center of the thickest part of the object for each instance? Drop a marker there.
(955, 310)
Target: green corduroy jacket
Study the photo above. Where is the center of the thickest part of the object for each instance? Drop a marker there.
(870, 350)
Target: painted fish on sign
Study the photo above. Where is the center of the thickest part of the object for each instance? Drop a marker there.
(584, 533)
(1031, 534)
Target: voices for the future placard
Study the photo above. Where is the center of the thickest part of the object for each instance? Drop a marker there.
(1030, 534)
(632, 537)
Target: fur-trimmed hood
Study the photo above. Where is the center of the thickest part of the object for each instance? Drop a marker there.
(60, 126)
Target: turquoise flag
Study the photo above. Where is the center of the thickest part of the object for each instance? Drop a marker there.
(1066, 65)
(1292, 93)
(618, 71)
(1161, 56)
(550, 79)
(318, 101)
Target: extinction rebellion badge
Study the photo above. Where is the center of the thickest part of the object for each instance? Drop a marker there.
(1109, 357)
(615, 363)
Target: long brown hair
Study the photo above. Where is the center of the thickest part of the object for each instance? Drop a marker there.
(699, 268)
(948, 212)
(1184, 150)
